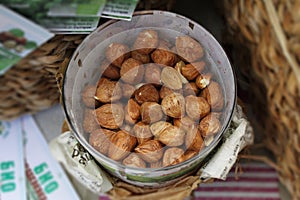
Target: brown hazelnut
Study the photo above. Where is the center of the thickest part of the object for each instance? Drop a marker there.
(90, 121)
(209, 125)
(165, 91)
(108, 91)
(186, 156)
(132, 111)
(88, 96)
(133, 160)
(214, 96)
(203, 80)
(122, 143)
(151, 112)
(164, 44)
(178, 67)
(144, 58)
(196, 107)
(173, 105)
(171, 136)
(190, 89)
(127, 90)
(150, 151)
(158, 127)
(157, 164)
(146, 93)
(146, 41)
(100, 139)
(171, 78)
(116, 53)
(171, 155)
(185, 123)
(164, 57)
(109, 70)
(193, 139)
(191, 71)
(132, 71)
(188, 48)
(142, 132)
(152, 73)
(110, 116)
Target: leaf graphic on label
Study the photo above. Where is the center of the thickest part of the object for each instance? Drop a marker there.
(17, 32)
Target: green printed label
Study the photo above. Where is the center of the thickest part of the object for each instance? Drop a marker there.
(8, 183)
(45, 178)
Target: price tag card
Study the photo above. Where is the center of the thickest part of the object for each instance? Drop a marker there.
(12, 175)
(46, 178)
(119, 9)
(18, 37)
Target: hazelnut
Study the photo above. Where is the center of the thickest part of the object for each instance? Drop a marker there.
(116, 53)
(146, 41)
(132, 111)
(209, 125)
(171, 136)
(193, 139)
(190, 89)
(88, 96)
(186, 156)
(144, 58)
(191, 71)
(133, 160)
(164, 44)
(158, 127)
(150, 151)
(132, 71)
(90, 121)
(142, 132)
(188, 48)
(208, 140)
(100, 139)
(110, 71)
(171, 155)
(110, 116)
(122, 144)
(164, 57)
(128, 90)
(165, 91)
(203, 80)
(185, 123)
(170, 77)
(178, 67)
(151, 112)
(173, 105)
(214, 96)
(152, 73)
(196, 107)
(108, 91)
(157, 164)
(146, 93)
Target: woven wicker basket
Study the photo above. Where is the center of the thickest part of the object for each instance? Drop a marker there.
(31, 84)
(264, 37)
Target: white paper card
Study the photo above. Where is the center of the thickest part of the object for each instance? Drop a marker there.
(46, 175)
(12, 173)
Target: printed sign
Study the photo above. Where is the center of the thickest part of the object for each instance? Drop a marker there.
(12, 175)
(18, 37)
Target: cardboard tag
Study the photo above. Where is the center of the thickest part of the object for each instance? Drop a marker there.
(12, 173)
(18, 38)
(46, 177)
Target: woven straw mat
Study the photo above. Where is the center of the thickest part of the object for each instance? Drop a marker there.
(265, 39)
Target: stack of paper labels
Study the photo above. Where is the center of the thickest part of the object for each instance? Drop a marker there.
(27, 168)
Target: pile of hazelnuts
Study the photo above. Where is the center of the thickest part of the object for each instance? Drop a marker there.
(157, 103)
